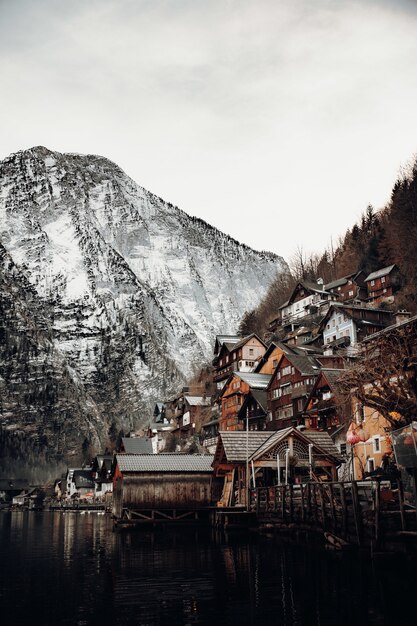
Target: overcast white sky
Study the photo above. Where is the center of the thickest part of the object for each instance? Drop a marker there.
(277, 121)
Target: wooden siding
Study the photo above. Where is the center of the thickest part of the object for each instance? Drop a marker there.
(159, 490)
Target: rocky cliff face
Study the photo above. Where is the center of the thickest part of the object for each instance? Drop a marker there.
(109, 297)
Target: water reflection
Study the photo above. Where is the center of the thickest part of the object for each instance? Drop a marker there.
(72, 569)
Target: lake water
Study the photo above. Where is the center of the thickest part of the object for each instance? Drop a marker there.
(58, 568)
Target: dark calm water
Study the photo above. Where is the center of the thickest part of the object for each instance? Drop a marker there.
(72, 569)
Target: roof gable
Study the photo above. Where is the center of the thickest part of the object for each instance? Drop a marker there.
(238, 445)
(323, 445)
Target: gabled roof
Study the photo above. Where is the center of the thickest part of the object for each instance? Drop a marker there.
(164, 462)
(197, 400)
(308, 286)
(137, 445)
(306, 365)
(260, 396)
(245, 340)
(83, 479)
(343, 280)
(331, 375)
(379, 273)
(255, 381)
(229, 339)
(239, 444)
(322, 441)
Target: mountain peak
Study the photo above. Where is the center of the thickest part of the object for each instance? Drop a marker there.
(131, 288)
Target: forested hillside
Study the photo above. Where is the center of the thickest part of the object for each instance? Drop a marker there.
(381, 238)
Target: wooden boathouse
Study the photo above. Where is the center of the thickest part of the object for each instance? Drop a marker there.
(152, 488)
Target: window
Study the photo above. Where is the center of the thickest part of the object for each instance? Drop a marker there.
(376, 443)
(274, 363)
(370, 465)
(343, 448)
(351, 293)
(250, 351)
(333, 323)
(382, 279)
(372, 283)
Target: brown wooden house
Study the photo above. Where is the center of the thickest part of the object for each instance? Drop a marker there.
(349, 288)
(236, 356)
(327, 406)
(289, 388)
(383, 284)
(233, 396)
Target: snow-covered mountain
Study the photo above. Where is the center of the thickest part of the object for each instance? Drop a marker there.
(110, 297)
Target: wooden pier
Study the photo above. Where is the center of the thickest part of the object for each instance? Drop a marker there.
(366, 514)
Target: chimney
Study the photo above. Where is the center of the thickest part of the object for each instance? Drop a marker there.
(401, 316)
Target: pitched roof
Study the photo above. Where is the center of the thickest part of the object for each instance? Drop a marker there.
(239, 444)
(83, 479)
(321, 440)
(137, 445)
(197, 400)
(308, 286)
(306, 365)
(255, 381)
(164, 462)
(379, 273)
(229, 339)
(260, 396)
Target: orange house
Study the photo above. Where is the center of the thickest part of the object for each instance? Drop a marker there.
(233, 395)
(368, 454)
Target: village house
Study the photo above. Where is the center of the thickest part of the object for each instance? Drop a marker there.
(383, 284)
(254, 410)
(192, 411)
(236, 356)
(350, 288)
(101, 473)
(346, 325)
(233, 395)
(329, 408)
(79, 482)
(289, 388)
(373, 442)
(306, 299)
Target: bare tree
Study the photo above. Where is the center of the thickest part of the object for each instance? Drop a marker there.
(384, 376)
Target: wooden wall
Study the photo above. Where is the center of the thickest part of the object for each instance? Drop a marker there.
(161, 490)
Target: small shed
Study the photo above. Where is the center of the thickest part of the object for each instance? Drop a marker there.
(161, 481)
